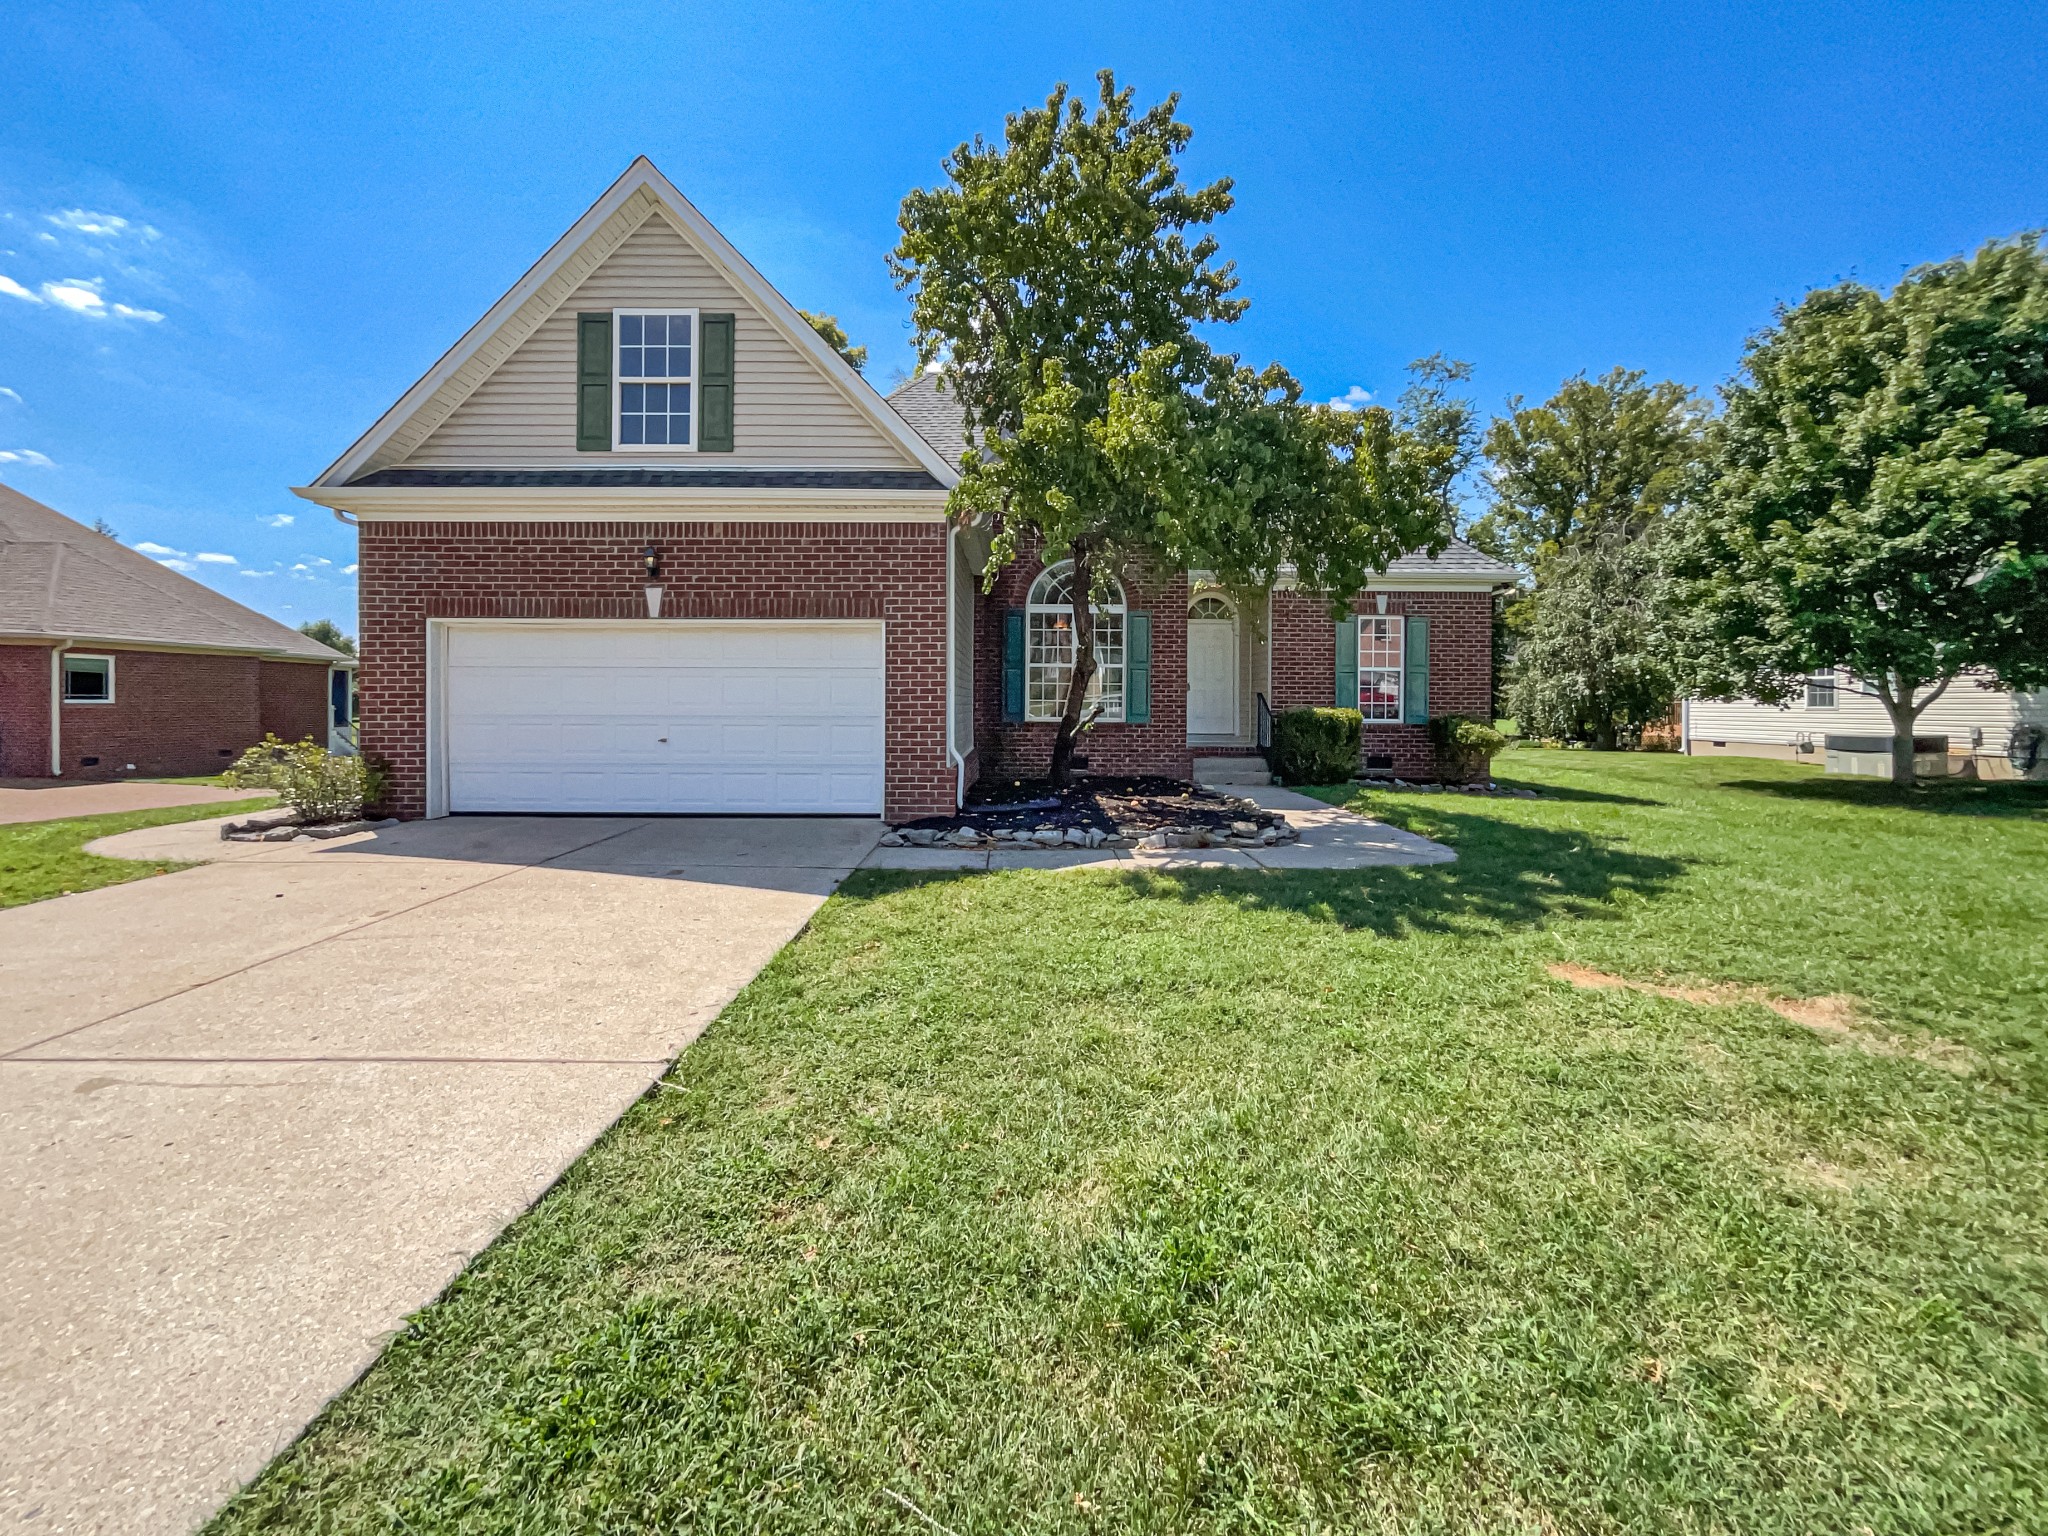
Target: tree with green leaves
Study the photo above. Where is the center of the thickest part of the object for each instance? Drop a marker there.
(835, 337)
(1879, 502)
(329, 634)
(1444, 424)
(1059, 276)
(1583, 486)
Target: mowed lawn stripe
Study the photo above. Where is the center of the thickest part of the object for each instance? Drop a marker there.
(1223, 1202)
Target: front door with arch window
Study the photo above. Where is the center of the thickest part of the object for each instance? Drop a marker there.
(1212, 668)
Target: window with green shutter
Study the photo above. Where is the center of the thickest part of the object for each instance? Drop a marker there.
(594, 383)
(1013, 664)
(1347, 664)
(1415, 682)
(1137, 668)
(715, 383)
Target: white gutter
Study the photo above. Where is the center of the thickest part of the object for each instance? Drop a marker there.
(952, 750)
(57, 709)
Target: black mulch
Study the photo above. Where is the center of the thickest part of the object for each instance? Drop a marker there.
(1145, 804)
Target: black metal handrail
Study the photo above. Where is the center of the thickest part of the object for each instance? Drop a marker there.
(1265, 737)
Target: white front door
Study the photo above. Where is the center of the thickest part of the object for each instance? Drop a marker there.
(664, 717)
(1212, 677)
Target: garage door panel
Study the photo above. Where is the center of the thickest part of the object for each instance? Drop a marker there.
(665, 718)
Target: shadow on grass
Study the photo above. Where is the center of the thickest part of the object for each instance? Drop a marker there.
(1506, 876)
(1966, 798)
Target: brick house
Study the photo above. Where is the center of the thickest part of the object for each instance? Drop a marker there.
(112, 665)
(641, 542)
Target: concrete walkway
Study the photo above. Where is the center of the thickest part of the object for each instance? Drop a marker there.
(255, 1113)
(1330, 839)
(55, 799)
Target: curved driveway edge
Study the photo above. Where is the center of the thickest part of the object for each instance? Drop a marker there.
(258, 1112)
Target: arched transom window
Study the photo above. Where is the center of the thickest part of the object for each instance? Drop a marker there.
(1210, 606)
(1049, 648)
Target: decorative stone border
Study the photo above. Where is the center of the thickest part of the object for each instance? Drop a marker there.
(283, 826)
(1240, 834)
(1488, 788)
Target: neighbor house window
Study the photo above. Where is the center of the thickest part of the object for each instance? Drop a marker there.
(657, 351)
(1820, 691)
(1379, 667)
(88, 679)
(1049, 649)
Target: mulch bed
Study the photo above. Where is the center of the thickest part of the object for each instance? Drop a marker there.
(1140, 804)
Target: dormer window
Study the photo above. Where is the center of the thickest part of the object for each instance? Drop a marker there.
(655, 377)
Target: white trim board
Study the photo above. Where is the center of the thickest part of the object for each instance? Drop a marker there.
(629, 504)
(513, 317)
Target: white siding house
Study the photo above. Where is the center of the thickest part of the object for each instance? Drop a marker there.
(1979, 722)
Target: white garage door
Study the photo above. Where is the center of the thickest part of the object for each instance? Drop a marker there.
(741, 718)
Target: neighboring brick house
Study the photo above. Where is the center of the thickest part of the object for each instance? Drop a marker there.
(112, 666)
(641, 542)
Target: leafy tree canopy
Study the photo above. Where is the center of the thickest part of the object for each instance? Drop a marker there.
(1608, 452)
(835, 337)
(1060, 277)
(1880, 497)
(329, 634)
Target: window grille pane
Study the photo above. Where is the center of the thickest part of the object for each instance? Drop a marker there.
(629, 330)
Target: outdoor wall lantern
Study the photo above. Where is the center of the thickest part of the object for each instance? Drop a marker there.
(650, 561)
(1380, 601)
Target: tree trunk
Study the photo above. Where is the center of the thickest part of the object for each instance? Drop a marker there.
(1081, 598)
(1902, 713)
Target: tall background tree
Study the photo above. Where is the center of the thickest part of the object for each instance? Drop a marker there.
(1879, 502)
(835, 337)
(1584, 487)
(329, 634)
(1060, 276)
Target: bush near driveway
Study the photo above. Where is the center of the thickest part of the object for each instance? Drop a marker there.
(1227, 1201)
(1317, 746)
(40, 859)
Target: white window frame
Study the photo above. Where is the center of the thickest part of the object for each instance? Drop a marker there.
(619, 382)
(1106, 687)
(65, 667)
(1829, 678)
(1396, 625)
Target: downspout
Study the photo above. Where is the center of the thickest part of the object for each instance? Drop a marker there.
(57, 708)
(1685, 726)
(952, 630)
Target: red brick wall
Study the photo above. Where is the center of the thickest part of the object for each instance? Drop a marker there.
(24, 711)
(896, 572)
(1025, 750)
(1460, 664)
(294, 699)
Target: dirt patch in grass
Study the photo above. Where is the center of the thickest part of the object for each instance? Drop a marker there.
(1834, 1016)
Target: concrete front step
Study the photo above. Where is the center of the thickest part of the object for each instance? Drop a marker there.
(1232, 770)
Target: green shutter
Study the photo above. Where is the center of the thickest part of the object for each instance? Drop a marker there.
(1013, 664)
(594, 382)
(1138, 668)
(1415, 673)
(1347, 663)
(714, 383)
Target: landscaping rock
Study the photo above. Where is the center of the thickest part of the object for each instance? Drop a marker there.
(1047, 838)
(1074, 837)
(964, 837)
(1244, 829)
(1269, 837)
(262, 821)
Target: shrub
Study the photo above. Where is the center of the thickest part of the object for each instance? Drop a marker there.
(1316, 746)
(318, 784)
(1463, 745)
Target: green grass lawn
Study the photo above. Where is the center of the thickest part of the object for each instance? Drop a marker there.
(1310, 1202)
(40, 859)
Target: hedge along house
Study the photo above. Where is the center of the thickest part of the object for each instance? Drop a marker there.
(641, 542)
(112, 665)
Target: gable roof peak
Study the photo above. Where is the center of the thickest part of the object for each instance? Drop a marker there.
(521, 309)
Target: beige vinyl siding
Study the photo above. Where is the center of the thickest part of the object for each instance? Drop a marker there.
(785, 411)
(1965, 706)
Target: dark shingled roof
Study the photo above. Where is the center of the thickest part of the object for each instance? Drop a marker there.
(59, 580)
(700, 479)
(936, 417)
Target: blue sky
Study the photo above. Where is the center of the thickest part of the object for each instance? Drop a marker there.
(231, 235)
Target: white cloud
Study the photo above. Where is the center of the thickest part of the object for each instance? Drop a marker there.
(257, 574)
(348, 570)
(81, 295)
(126, 312)
(301, 566)
(1356, 398)
(279, 520)
(208, 557)
(14, 290)
(25, 456)
(178, 565)
(99, 226)
(158, 551)
(10, 394)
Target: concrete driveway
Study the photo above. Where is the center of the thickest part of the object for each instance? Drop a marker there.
(254, 1114)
